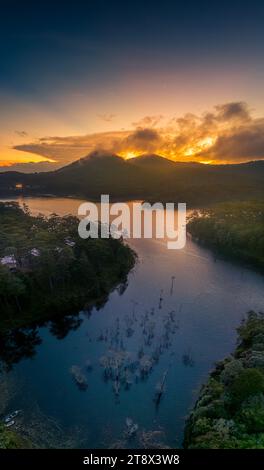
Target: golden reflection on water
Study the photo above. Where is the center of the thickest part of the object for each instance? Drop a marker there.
(63, 206)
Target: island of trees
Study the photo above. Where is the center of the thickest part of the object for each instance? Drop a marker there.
(46, 269)
(229, 412)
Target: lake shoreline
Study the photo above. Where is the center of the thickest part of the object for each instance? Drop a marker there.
(208, 300)
(48, 270)
(225, 229)
(229, 412)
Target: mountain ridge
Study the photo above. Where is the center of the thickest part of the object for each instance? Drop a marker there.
(151, 177)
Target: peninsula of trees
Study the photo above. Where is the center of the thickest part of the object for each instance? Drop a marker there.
(46, 269)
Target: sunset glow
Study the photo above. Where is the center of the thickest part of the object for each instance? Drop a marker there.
(9, 157)
(130, 154)
(178, 93)
(131, 232)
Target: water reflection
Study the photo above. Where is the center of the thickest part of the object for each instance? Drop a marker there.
(18, 344)
(21, 343)
(143, 354)
(61, 326)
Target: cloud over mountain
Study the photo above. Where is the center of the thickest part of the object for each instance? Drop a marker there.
(242, 143)
(228, 133)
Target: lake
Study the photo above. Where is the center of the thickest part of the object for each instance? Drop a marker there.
(179, 310)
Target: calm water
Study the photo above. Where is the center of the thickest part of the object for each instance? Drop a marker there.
(192, 327)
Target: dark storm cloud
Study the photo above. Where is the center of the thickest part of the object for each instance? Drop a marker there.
(145, 140)
(242, 144)
(233, 111)
(144, 135)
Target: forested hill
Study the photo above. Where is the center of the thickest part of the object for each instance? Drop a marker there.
(148, 177)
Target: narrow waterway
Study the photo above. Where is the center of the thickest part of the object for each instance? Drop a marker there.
(176, 316)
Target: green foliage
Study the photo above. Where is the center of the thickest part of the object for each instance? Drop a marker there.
(249, 382)
(251, 329)
(252, 414)
(11, 440)
(230, 410)
(233, 229)
(55, 270)
(231, 371)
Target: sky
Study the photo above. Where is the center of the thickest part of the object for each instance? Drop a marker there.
(181, 79)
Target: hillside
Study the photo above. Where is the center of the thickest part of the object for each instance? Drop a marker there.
(147, 177)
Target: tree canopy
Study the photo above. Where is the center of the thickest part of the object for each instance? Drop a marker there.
(46, 268)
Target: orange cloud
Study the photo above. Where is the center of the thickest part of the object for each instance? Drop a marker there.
(228, 133)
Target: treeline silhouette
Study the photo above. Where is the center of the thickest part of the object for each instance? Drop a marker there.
(148, 177)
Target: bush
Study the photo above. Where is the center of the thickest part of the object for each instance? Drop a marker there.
(229, 413)
(252, 414)
(231, 371)
(249, 382)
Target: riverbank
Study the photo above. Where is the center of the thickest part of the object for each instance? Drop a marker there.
(12, 440)
(47, 270)
(229, 412)
(232, 230)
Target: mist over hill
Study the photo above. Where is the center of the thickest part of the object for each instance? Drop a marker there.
(149, 177)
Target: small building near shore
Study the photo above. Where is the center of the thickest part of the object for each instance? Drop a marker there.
(9, 261)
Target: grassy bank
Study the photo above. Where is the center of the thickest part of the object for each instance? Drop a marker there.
(229, 412)
(235, 230)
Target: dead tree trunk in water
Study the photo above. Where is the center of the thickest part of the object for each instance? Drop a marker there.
(161, 388)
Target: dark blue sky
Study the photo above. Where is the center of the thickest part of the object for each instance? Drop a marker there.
(44, 42)
(67, 68)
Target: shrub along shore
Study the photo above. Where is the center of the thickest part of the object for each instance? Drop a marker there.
(229, 412)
